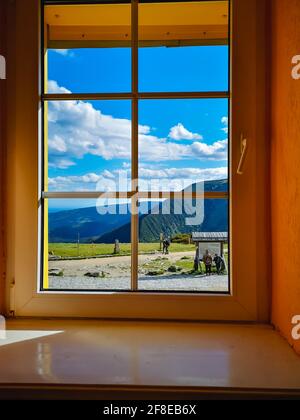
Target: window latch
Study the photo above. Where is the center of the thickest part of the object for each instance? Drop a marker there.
(244, 147)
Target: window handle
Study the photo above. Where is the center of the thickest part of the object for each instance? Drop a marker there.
(244, 147)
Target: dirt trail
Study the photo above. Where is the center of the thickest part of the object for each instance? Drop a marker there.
(112, 265)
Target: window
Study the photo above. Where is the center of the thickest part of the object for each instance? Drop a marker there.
(135, 105)
(38, 188)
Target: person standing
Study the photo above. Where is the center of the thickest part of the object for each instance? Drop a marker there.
(207, 259)
(220, 264)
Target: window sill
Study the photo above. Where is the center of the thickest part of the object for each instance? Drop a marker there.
(145, 358)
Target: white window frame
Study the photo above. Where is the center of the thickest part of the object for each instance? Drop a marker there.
(249, 201)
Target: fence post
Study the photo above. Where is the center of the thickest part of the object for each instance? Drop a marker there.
(117, 247)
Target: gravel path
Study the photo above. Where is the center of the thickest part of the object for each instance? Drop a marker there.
(176, 283)
(117, 277)
(185, 283)
(113, 265)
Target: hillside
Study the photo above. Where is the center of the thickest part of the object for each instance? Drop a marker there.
(64, 226)
(152, 225)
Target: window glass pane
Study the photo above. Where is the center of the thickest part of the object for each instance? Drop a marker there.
(183, 143)
(183, 46)
(89, 145)
(183, 246)
(88, 48)
(183, 148)
(186, 151)
(84, 244)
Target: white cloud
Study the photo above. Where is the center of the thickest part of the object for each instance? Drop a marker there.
(73, 182)
(179, 132)
(61, 163)
(196, 173)
(77, 129)
(64, 52)
(216, 151)
(57, 144)
(167, 179)
(177, 179)
(108, 174)
(224, 121)
(53, 87)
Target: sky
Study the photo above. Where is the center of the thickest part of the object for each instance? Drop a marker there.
(180, 141)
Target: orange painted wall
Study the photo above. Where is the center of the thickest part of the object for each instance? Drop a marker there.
(285, 166)
(2, 154)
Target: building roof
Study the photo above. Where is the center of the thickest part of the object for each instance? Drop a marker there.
(210, 236)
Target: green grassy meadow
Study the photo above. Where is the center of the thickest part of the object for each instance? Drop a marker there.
(93, 250)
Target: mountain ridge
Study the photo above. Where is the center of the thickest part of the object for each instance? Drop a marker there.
(65, 226)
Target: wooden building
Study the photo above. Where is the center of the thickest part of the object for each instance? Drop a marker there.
(220, 238)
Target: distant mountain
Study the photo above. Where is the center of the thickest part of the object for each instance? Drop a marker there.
(64, 226)
(215, 218)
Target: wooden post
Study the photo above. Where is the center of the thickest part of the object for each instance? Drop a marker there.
(161, 238)
(78, 242)
(222, 249)
(198, 256)
(117, 247)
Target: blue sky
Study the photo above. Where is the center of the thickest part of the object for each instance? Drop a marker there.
(89, 143)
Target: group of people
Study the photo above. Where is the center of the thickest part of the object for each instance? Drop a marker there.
(208, 261)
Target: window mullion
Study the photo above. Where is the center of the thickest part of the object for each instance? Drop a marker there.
(140, 95)
(134, 148)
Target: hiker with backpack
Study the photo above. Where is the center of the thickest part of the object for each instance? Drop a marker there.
(166, 245)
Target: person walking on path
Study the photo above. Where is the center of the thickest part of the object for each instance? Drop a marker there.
(166, 245)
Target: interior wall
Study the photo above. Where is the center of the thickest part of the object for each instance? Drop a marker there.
(285, 166)
(2, 155)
